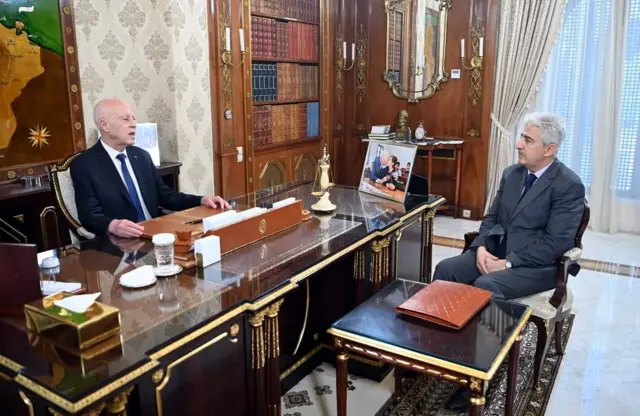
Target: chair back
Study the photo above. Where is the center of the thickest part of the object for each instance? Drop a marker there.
(60, 176)
(586, 215)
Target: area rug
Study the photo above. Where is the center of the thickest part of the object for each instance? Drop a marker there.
(426, 396)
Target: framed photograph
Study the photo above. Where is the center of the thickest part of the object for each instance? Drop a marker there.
(147, 139)
(387, 170)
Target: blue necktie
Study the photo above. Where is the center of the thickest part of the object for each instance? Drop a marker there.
(131, 187)
(531, 178)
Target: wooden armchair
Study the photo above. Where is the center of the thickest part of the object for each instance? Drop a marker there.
(552, 306)
(60, 177)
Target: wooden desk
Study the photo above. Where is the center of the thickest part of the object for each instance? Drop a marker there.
(30, 215)
(224, 340)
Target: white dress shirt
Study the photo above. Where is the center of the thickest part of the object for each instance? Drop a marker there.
(538, 174)
(113, 154)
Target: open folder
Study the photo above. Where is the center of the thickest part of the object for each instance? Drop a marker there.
(446, 303)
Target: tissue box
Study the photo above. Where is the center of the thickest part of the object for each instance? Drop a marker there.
(87, 361)
(75, 330)
(207, 250)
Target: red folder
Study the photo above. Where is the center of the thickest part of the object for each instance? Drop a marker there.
(446, 303)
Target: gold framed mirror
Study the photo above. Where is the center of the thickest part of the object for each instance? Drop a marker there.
(416, 43)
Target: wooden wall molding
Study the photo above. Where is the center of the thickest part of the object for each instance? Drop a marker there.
(450, 114)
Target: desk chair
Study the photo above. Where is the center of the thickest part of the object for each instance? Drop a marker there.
(60, 177)
(551, 307)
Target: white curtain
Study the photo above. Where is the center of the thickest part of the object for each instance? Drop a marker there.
(593, 82)
(526, 36)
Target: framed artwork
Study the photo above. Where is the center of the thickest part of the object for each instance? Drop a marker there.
(41, 118)
(387, 169)
(147, 139)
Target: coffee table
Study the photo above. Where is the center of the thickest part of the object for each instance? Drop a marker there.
(469, 357)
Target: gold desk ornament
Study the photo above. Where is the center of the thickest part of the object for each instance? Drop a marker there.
(322, 183)
(87, 361)
(75, 330)
(402, 129)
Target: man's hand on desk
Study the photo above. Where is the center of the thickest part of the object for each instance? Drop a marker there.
(125, 228)
(214, 202)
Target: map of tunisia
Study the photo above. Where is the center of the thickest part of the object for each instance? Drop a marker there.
(19, 64)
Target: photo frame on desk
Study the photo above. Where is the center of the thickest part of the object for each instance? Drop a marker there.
(387, 169)
(147, 139)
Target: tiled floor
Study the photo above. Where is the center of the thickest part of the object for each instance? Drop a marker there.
(600, 373)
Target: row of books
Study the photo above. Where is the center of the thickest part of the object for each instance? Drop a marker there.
(288, 40)
(284, 82)
(282, 123)
(307, 10)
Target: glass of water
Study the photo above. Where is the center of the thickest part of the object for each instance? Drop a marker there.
(163, 249)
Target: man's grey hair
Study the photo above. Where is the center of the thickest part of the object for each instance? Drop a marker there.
(550, 125)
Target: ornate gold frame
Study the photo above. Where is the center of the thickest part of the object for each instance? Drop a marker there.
(390, 6)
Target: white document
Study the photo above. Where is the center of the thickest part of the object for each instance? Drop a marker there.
(49, 287)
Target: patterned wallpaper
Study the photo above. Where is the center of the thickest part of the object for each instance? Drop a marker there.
(154, 55)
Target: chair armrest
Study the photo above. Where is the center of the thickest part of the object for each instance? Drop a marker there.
(574, 254)
(567, 265)
(468, 239)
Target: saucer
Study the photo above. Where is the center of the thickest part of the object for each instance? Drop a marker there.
(172, 271)
(138, 279)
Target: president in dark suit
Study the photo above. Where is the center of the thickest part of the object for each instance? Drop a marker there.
(116, 184)
(533, 219)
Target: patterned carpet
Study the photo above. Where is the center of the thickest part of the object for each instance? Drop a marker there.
(427, 396)
(315, 394)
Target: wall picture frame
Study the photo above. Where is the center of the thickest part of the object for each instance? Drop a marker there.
(387, 169)
(40, 95)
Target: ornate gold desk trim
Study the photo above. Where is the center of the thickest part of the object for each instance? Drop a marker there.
(299, 363)
(177, 362)
(76, 407)
(11, 365)
(27, 402)
(306, 318)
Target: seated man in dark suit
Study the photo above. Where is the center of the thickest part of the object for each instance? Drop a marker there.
(533, 219)
(116, 183)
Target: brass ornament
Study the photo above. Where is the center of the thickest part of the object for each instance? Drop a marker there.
(71, 50)
(11, 174)
(473, 133)
(234, 330)
(263, 226)
(118, 403)
(74, 88)
(157, 376)
(66, 10)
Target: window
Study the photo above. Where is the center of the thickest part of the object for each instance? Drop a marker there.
(570, 88)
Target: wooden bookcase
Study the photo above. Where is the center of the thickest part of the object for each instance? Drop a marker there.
(284, 85)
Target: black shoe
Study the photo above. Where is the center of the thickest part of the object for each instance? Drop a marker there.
(459, 402)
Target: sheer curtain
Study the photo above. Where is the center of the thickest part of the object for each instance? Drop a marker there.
(593, 82)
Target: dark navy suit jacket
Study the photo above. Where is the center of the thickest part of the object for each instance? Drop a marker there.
(101, 195)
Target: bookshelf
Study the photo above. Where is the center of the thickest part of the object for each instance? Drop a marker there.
(285, 75)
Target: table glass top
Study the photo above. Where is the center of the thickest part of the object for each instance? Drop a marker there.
(156, 316)
(475, 346)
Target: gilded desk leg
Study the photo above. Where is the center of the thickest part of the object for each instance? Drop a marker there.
(258, 362)
(358, 274)
(476, 404)
(427, 245)
(376, 265)
(272, 365)
(386, 261)
(341, 377)
(117, 405)
(514, 355)
(93, 412)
